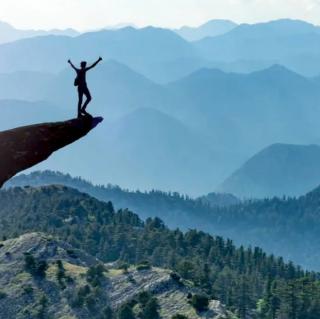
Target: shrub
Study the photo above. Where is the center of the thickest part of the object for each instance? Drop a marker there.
(125, 312)
(144, 297)
(41, 268)
(34, 267)
(174, 276)
(28, 289)
(95, 274)
(124, 267)
(178, 316)
(107, 313)
(144, 265)
(200, 302)
(150, 310)
(71, 253)
(29, 262)
(79, 299)
(3, 295)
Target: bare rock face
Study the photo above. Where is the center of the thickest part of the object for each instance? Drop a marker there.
(24, 147)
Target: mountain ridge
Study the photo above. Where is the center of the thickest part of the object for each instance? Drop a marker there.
(280, 169)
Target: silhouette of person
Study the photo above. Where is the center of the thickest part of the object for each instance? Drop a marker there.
(81, 83)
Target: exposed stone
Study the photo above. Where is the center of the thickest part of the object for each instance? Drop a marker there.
(24, 147)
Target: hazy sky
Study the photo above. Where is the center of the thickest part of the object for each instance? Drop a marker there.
(90, 14)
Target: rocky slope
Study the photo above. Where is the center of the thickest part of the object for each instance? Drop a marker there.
(24, 147)
(65, 290)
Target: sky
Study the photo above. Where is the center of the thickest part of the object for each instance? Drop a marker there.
(92, 14)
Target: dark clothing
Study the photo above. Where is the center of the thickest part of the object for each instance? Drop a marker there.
(81, 83)
(81, 77)
(83, 91)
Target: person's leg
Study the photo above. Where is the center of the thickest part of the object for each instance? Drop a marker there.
(88, 100)
(80, 94)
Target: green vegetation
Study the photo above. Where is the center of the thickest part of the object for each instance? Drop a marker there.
(178, 316)
(3, 295)
(143, 265)
(200, 302)
(261, 223)
(150, 309)
(125, 312)
(95, 275)
(35, 267)
(243, 279)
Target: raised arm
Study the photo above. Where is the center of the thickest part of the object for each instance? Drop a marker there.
(94, 64)
(69, 61)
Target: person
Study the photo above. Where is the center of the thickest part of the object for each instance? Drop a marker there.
(81, 83)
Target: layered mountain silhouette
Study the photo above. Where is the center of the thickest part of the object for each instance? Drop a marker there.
(156, 53)
(285, 227)
(289, 42)
(229, 116)
(232, 115)
(144, 149)
(24, 147)
(279, 169)
(211, 28)
(163, 55)
(9, 34)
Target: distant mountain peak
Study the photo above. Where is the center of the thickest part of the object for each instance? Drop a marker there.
(277, 170)
(211, 28)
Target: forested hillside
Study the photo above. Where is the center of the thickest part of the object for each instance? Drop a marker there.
(246, 280)
(42, 277)
(286, 227)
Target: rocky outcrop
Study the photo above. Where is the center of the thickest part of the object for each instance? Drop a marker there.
(24, 147)
(69, 292)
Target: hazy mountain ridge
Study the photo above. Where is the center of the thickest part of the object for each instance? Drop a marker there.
(279, 41)
(151, 51)
(163, 55)
(9, 34)
(211, 28)
(228, 116)
(277, 170)
(265, 107)
(200, 258)
(176, 210)
(262, 223)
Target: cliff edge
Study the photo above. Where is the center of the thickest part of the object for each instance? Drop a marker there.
(24, 147)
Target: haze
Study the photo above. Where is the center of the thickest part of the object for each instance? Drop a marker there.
(84, 14)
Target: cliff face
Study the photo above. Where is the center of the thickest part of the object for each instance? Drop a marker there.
(24, 147)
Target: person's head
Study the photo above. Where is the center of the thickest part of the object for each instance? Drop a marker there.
(83, 64)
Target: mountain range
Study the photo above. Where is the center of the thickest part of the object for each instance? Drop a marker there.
(221, 118)
(226, 116)
(288, 42)
(279, 169)
(45, 268)
(156, 53)
(9, 34)
(285, 227)
(163, 56)
(211, 28)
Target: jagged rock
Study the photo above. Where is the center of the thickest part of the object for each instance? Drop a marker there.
(24, 147)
